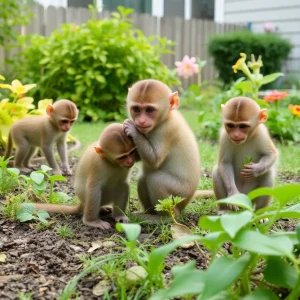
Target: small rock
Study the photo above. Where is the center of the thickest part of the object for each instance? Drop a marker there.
(108, 244)
(100, 288)
(136, 274)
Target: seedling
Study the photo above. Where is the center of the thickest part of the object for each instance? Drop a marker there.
(28, 212)
(247, 161)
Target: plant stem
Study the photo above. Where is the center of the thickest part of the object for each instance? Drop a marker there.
(51, 190)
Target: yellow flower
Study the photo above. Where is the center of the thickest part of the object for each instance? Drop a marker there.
(241, 65)
(1, 77)
(17, 87)
(295, 109)
(255, 65)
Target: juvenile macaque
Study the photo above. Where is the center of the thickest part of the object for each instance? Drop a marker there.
(247, 154)
(102, 178)
(165, 143)
(43, 131)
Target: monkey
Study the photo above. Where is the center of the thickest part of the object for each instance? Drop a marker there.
(101, 178)
(243, 137)
(170, 161)
(42, 131)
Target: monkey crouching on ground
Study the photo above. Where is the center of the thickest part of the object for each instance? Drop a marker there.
(101, 178)
(247, 154)
(43, 131)
(165, 143)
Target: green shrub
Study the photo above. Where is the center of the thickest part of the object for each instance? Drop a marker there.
(226, 48)
(94, 64)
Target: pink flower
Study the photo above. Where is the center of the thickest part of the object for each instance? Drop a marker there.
(275, 96)
(187, 67)
(268, 27)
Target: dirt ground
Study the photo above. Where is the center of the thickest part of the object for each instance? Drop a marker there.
(42, 262)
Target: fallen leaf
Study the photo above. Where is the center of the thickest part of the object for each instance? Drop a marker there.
(2, 257)
(75, 248)
(95, 245)
(179, 231)
(100, 288)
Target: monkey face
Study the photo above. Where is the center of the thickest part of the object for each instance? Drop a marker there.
(237, 132)
(144, 116)
(65, 125)
(126, 160)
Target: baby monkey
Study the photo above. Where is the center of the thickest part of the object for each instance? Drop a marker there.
(247, 154)
(42, 131)
(102, 178)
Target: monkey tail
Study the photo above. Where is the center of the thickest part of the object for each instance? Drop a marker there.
(59, 208)
(8, 147)
(204, 194)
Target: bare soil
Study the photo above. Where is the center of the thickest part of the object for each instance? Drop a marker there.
(42, 262)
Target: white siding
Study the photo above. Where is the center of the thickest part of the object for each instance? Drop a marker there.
(283, 14)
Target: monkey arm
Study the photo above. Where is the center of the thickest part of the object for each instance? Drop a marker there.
(62, 151)
(226, 172)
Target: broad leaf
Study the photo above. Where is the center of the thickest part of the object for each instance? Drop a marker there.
(214, 240)
(292, 235)
(186, 283)
(13, 171)
(212, 223)
(261, 293)
(280, 273)
(180, 269)
(26, 212)
(43, 215)
(132, 231)
(264, 244)
(245, 86)
(45, 168)
(37, 177)
(240, 200)
(157, 256)
(270, 78)
(298, 232)
(231, 270)
(233, 222)
(57, 178)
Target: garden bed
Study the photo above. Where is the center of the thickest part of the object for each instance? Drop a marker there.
(42, 261)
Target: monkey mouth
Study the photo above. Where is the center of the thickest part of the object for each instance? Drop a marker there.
(238, 141)
(143, 128)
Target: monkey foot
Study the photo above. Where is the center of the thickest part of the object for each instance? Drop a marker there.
(107, 209)
(98, 224)
(25, 171)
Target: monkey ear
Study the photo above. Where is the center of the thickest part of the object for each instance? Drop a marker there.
(174, 100)
(129, 89)
(99, 151)
(263, 116)
(50, 110)
(222, 106)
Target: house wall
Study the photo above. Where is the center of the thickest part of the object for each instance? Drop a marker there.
(283, 14)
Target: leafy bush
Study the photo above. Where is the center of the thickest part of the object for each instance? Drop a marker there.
(226, 48)
(94, 64)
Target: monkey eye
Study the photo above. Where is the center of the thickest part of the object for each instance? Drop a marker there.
(132, 152)
(150, 110)
(64, 121)
(122, 157)
(136, 109)
(243, 126)
(230, 125)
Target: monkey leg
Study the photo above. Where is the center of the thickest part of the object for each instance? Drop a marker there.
(144, 195)
(220, 190)
(48, 152)
(28, 157)
(22, 150)
(161, 185)
(266, 180)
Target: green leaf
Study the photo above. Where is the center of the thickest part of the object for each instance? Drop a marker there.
(37, 177)
(57, 178)
(45, 168)
(132, 231)
(13, 171)
(26, 212)
(240, 200)
(234, 221)
(43, 215)
(186, 283)
(264, 244)
(282, 194)
(180, 269)
(60, 197)
(231, 270)
(261, 293)
(212, 223)
(71, 71)
(270, 78)
(298, 232)
(280, 273)
(214, 240)
(157, 256)
(245, 86)
(40, 187)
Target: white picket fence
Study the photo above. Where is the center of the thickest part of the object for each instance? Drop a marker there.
(191, 36)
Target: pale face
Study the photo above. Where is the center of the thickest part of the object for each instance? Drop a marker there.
(127, 159)
(65, 124)
(237, 131)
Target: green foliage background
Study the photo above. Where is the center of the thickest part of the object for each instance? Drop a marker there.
(226, 50)
(94, 64)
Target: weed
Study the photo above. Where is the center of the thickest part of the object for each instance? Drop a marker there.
(65, 231)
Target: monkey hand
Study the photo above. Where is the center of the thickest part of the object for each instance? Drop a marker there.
(121, 219)
(129, 128)
(66, 170)
(251, 170)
